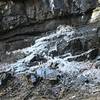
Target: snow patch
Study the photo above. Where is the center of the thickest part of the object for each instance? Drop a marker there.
(93, 74)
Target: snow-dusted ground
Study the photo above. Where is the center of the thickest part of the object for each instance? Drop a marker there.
(43, 46)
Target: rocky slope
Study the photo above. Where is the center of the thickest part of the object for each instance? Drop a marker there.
(62, 63)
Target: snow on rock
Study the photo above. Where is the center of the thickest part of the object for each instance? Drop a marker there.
(43, 46)
(42, 43)
(70, 67)
(93, 74)
(46, 72)
(5, 67)
(19, 67)
(6, 73)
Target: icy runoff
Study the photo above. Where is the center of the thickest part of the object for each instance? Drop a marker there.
(54, 65)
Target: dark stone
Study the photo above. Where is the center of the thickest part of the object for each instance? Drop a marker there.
(85, 46)
(75, 46)
(53, 53)
(34, 79)
(4, 77)
(62, 47)
(93, 54)
(36, 59)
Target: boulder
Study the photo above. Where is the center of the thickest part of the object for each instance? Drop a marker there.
(36, 60)
(73, 46)
(4, 77)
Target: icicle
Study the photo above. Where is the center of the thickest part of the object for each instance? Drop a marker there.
(52, 5)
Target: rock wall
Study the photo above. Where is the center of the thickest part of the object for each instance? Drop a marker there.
(40, 15)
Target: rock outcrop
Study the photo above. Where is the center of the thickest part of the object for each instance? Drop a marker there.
(19, 17)
(39, 61)
(64, 60)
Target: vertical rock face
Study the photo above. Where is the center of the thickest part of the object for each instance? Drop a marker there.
(14, 13)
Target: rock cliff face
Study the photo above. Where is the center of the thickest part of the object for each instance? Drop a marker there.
(34, 16)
